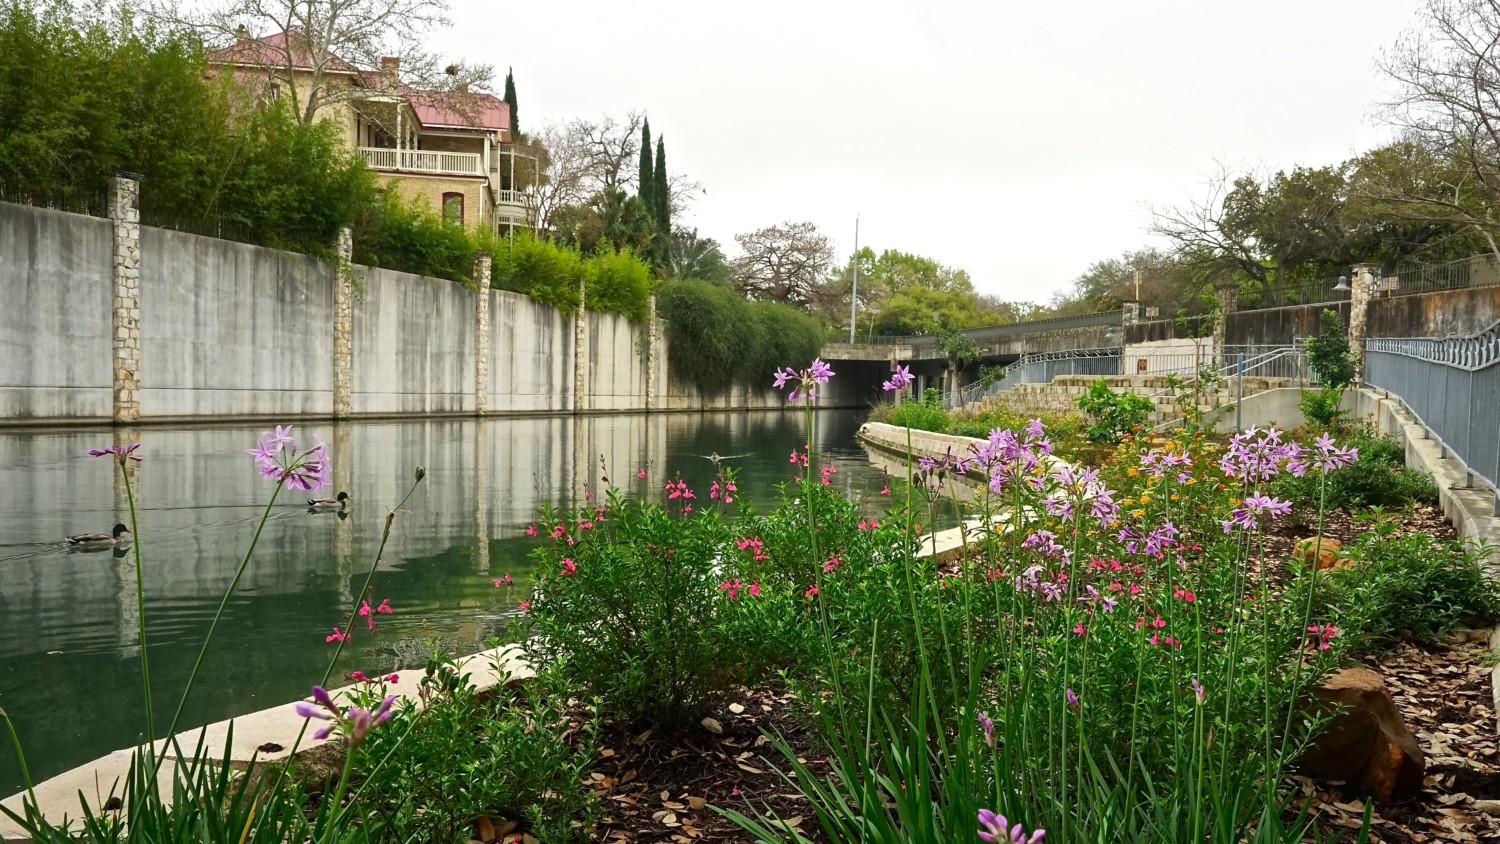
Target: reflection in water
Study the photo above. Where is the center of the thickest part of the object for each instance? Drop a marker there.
(68, 625)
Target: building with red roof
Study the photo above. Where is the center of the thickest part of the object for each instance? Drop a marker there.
(449, 150)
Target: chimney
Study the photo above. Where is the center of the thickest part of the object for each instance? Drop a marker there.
(390, 69)
(242, 33)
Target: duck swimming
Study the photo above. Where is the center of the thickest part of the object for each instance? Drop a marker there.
(99, 540)
(342, 500)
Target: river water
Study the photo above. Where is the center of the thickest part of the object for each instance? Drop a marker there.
(69, 657)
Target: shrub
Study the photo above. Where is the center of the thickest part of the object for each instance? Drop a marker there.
(1379, 477)
(619, 282)
(1114, 414)
(545, 271)
(516, 754)
(924, 414)
(1321, 409)
(630, 607)
(401, 235)
(1410, 586)
(718, 338)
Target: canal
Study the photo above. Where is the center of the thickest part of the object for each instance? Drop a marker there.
(69, 664)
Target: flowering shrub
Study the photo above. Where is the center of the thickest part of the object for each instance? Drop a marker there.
(520, 754)
(633, 602)
(1114, 414)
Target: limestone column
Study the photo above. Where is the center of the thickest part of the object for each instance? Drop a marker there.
(480, 559)
(342, 457)
(124, 210)
(1361, 285)
(482, 263)
(653, 352)
(129, 619)
(580, 353)
(343, 328)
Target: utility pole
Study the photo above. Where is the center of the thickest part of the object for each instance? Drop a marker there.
(854, 294)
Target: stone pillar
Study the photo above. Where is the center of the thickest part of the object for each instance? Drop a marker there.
(341, 457)
(482, 263)
(480, 557)
(124, 210)
(1362, 284)
(653, 353)
(580, 353)
(343, 328)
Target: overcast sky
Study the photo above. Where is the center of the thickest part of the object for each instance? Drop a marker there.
(1019, 141)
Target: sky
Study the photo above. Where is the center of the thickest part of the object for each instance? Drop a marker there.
(1019, 141)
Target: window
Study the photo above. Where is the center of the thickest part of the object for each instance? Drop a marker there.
(453, 209)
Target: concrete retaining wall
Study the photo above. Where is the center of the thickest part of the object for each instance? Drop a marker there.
(229, 330)
(55, 276)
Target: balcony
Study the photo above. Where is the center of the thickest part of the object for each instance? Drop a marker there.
(424, 161)
(516, 198)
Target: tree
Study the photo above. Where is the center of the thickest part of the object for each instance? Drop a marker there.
(1328, 353)
(609, 148)
(692, 256)
(331, 53)
(661, 208)
(783, 263)
(611, 218)
(1448, 74)
(510, 102)
(647, 184)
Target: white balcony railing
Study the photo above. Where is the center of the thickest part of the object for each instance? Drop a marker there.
(512, 197)
(424, 161)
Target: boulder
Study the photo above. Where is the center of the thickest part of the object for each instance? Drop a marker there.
(1366, 744)
(1328, 552)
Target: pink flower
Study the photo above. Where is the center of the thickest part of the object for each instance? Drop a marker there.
(358, 676)
(336, 636)
(568, 567)
(885, 490)
(733, 587)
(754, 590)
(1325, 634)
(831, 565)
(811, 591)
(524, 607)
(503, 580)
(641, 473)
(531, 530)
(393, 678)
(385, 606)
(558, 531)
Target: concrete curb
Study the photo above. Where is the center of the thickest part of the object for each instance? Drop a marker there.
(96, 781)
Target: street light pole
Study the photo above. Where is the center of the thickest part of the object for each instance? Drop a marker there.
(854, 294)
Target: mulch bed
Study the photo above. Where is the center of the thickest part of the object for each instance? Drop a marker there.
(656, 787)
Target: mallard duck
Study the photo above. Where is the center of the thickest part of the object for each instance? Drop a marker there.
(99, 539)
(339, 502)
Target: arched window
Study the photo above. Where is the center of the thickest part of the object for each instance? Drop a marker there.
(453, 209)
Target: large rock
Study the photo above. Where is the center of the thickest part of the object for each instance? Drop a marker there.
(1367, 744)
(1326, 550)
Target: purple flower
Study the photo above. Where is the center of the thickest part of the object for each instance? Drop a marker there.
(1329, 457)
(121, 452)
(899, 379)
(803, 382)
(1199, 692)
(1104, 602)
(988, 727)
(1255, 505)
(277, 458)
(1071, 698)
(1256, 455)
(1156, 463)
(993, 828)
(356, 723)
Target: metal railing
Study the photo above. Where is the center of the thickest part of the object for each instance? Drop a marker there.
(1452, 386)
(424, 161)
(1041, 368)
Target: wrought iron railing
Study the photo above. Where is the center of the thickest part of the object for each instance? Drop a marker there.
(1452, 386)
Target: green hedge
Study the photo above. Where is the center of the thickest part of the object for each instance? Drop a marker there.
(717, 337)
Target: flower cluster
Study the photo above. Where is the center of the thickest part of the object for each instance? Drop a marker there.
(368, 614)
(805, 382)
(277, 458)
(754, 546)
(995, 828)
(734, 587)
(1325, 456)
(356, 723)
(899, 380)
(725, 492)
(677, 490)
(1256, 505)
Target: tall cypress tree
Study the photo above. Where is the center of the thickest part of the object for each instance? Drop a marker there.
(510, 100)
(661, 192)
(647, 190)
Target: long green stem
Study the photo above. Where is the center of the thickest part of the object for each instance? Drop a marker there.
(140, 604)
(15, 741)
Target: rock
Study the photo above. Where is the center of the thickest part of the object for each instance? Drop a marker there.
(1367, 743)
(1328, 549)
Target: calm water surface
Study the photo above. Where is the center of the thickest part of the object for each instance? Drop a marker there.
(69, 661)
